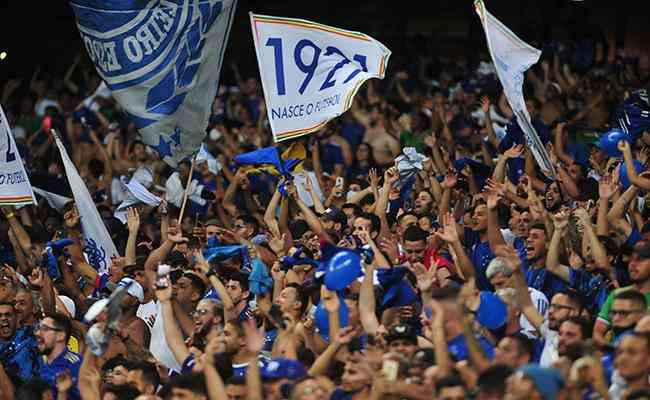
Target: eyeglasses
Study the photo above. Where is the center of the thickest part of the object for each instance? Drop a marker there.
(42, 327)
(624, 313)
(239, 226)
(199, 313)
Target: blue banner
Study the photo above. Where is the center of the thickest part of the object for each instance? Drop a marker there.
(161, 59)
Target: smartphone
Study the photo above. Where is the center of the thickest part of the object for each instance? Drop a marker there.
(163, 276)
(339, 181)
(389, 369)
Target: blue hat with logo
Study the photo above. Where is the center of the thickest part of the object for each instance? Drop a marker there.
(282, 368)
(492, 313)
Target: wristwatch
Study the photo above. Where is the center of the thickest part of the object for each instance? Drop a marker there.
(212, 271)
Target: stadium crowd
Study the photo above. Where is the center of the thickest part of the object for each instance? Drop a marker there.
(415, 250)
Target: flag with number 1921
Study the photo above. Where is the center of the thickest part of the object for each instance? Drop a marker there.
(311, 72)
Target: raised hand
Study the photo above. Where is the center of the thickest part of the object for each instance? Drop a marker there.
(164, 294)
(200, 261)
(509, 255)
(494, 191)
(373, 178)
(391, 176)
(425, 278)
(450, 181)
(277, 273)
(278, 243)
(175, 234)
(63, 382)
(449, 233)
(583, 215)
(624, 146)
(255, 337)
(561, 220)
(133, 219)
(485, 104)
(514, 152)
(71, 218)
(330, 300)
(345, 335)
(388, 246)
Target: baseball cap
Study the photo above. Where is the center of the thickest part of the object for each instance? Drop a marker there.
(133, 288)
(402, 332)
(336, 215)
(69, 305)
(643, 251)
(547, 381)
(212, 221)
(282, 368)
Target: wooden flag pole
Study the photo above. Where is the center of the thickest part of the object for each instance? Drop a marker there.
(187, 188)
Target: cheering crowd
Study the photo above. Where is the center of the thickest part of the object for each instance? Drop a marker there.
(411, 249)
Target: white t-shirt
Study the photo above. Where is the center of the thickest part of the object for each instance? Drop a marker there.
(158, 346)
(551, 340)
(541, 304)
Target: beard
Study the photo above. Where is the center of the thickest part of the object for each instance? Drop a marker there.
(45, 351)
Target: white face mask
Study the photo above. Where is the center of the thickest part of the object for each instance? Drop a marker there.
(351, 194)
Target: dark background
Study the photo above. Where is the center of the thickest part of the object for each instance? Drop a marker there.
(43, 33)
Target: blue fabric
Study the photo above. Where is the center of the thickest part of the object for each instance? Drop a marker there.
(480, 254)
(259, 279)
(544, 281)
(492, 312)
(66, 361)
(634, 237)
(548, 381)
(480, 170)
(458, 348)
(246, 314)
(397, 291)
(19, 355)
(353, 132)
(188, 364)
(267, 156)
(330, 155)
(278, 368)
(222, 252)
(269, 339)
(593, 287)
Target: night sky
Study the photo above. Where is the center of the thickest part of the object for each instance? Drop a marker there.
(43, 33)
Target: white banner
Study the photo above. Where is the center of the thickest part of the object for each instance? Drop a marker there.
(98, 246)
(311, 72)
(512, 57)
(15, 188)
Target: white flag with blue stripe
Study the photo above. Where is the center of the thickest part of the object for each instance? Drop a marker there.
(161, 60)
(512, 57)
(98, 246)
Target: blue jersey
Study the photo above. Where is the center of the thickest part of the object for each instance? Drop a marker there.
(239, 370)
(458, 348)
(480, 254)
(19, 356)
(66, 361)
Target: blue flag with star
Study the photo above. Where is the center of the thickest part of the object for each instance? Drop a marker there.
(161, 59)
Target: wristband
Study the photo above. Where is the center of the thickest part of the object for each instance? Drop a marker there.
(211, 272)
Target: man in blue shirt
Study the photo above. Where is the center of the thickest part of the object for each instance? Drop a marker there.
(52, 335)
(18, 349)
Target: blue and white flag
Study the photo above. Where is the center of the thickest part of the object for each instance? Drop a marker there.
(161, 60)
(14, 184)
(98, 246)
(512, 57)
(310, 72)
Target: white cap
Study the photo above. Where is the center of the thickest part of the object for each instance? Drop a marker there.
(69, 305)
(134, 288)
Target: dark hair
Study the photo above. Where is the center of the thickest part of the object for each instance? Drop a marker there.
(301, 295)
(638, 394)
(450, 381)
(493, 379)
(414, 234)
(197, 283)
(447, 292)
(9, 304)
(223, 365)
(149, 372)
(116, 361)
(574, 296)
(355, 207)
(632, 295)
(63, 322)
(250, 220)
(585, 326)
(235, 380)
(538, 225)
(33, 389)
(526, 345)
(193, 382)
(376, 222)
(240, 277)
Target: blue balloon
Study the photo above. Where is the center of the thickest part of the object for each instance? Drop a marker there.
(625, 181)
(321, 318)
(609, 141)
(342, 269)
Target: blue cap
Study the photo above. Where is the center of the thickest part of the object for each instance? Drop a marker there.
(547, 381)
(492, 313)
(283, 368)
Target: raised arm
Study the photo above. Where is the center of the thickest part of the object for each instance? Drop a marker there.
(521, 288)
(606, 189)
(173, 334)
(597, 249)
(561, 221)
(133, 223)
(494, 192)
(450, 236)
(558, 142)
(367, 301)
(635, 179)
(269, 215)
(390, 177)
(312, 220)
(216, 283)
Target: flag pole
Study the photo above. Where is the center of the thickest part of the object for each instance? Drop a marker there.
(187, 188)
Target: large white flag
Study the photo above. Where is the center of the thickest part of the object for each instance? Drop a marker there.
(311, 72)
(512, 57)
(161, 60)
(14, 183)
(98, 246)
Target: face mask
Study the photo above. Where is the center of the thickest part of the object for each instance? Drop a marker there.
(350, 194)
